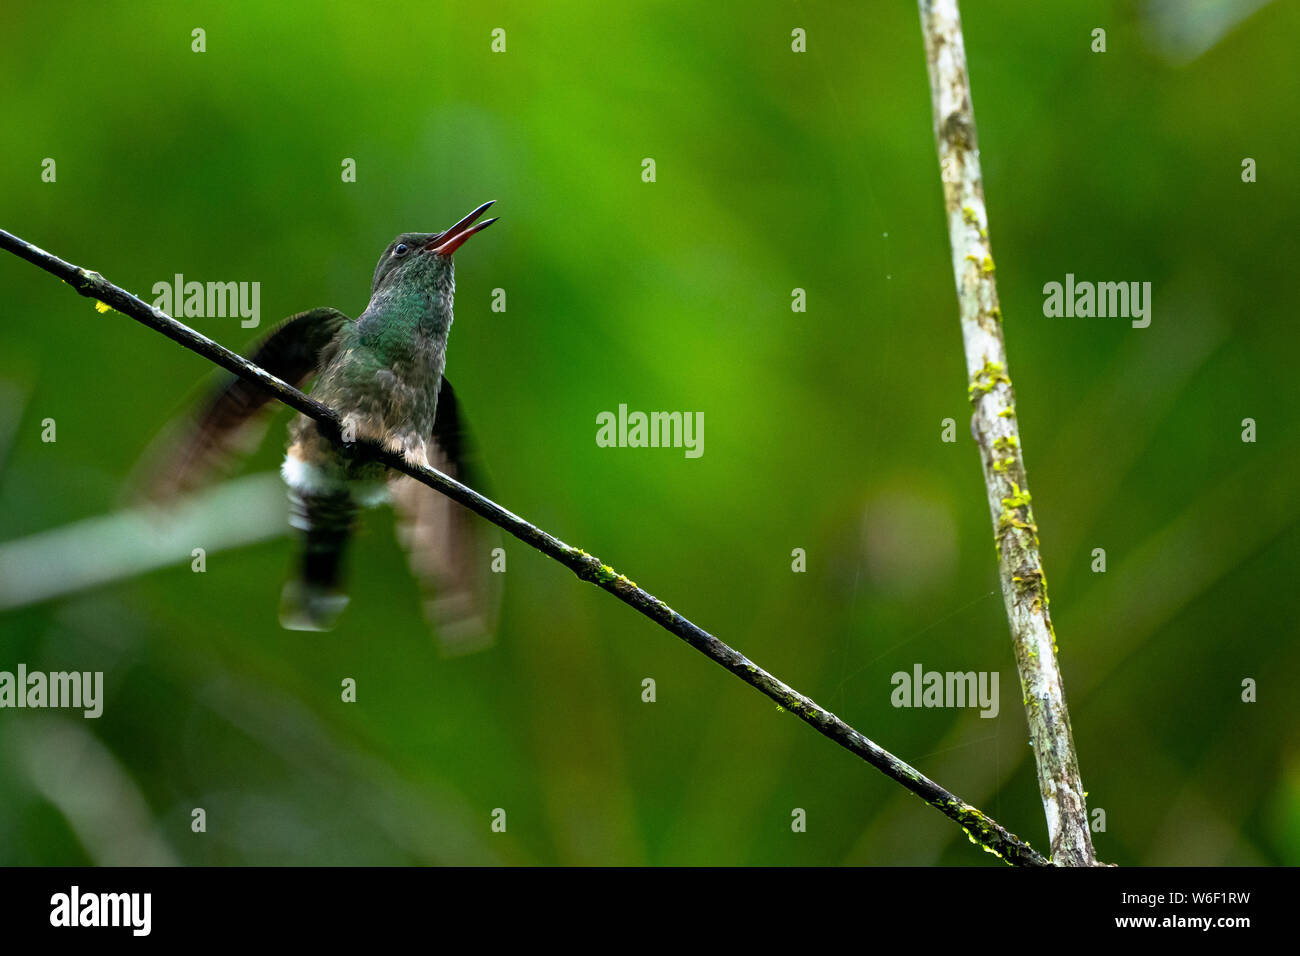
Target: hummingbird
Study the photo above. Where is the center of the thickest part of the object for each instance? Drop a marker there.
(383, 374)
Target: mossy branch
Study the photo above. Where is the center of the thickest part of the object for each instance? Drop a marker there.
(982, 830)
(1024, 589)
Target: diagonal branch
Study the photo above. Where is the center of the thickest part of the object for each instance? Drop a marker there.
(982, 830)
(1024, 589)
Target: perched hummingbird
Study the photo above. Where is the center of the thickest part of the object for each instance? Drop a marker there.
(383, 375)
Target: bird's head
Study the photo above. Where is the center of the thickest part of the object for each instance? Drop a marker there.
(423, 259)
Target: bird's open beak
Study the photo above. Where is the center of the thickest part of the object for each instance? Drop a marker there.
(448, 242)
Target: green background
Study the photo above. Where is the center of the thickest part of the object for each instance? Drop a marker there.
(775, 170)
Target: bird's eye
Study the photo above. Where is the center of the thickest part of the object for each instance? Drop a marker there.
(400, 249)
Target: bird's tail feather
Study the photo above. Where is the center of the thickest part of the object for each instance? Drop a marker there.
(314, 599)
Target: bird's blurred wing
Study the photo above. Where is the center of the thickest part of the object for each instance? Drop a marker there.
(450, 548)
(232, 420)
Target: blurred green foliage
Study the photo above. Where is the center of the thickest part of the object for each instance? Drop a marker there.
(775, 170)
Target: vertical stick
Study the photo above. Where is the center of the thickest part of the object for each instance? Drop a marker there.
(1024, 589)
